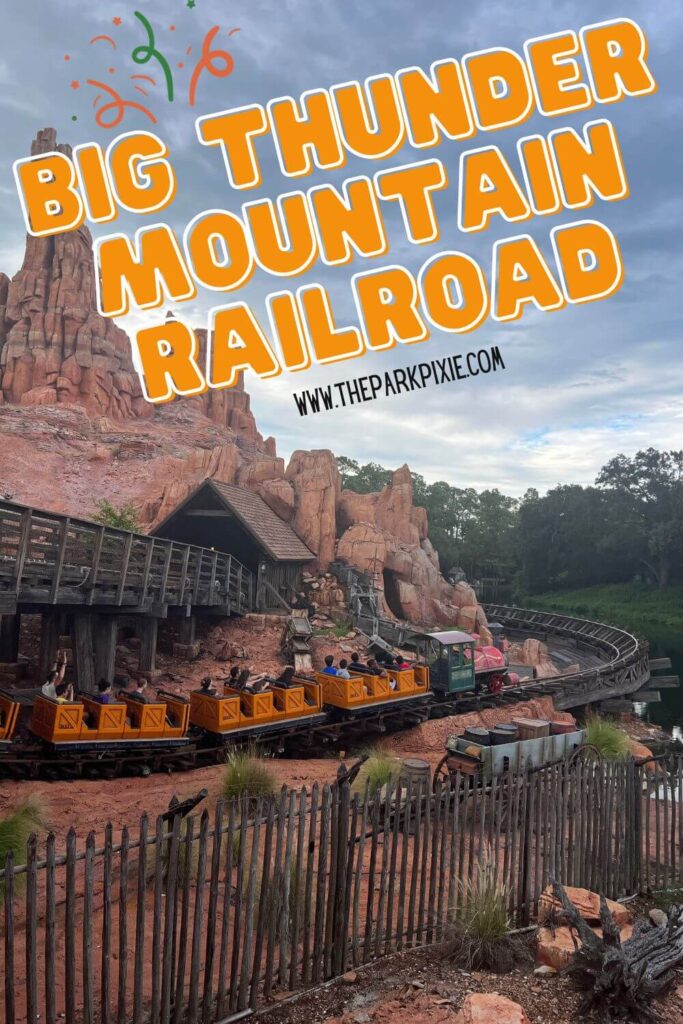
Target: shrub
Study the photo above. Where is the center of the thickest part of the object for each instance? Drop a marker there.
(377, 771)
(477, 932)
(247, 773)
(16, 829)
(126, 517)
(608, 738)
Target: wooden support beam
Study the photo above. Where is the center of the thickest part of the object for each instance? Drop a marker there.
(50, 631)
(188, 629)
(105, 633)
(82, 647)
(148, 644)
(9, 637)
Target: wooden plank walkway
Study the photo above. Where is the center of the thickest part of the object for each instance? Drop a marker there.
(48, 559)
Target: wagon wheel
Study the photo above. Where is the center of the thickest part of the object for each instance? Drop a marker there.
(441, 772)
(587, 753)
(507, 800)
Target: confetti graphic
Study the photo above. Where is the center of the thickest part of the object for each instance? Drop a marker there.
(174, 77)
(210, 61)
(143, 54)
(118, 105)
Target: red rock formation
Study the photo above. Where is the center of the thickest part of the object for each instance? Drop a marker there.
(385, 535)
(54, 346)
(314, 478)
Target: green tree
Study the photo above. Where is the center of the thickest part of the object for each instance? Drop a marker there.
(125, 517)
(362, 479)
(650, 488)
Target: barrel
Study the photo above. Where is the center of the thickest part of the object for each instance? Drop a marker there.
(414, 770)
(561, 728)
(476, 735)
(503, 734)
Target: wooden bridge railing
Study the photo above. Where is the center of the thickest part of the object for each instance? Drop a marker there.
(46, 558)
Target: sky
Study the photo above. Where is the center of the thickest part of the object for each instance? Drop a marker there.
(580, 385)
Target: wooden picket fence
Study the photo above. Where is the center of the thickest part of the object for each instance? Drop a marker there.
(223, 911)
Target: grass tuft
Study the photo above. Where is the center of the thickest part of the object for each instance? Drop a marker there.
(247, 773)
(379, 769)
(477, 936)
(607, 737)
(16, 829)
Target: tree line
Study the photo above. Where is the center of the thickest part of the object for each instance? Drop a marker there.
(627, 525)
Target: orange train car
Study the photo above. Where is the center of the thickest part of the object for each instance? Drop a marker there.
(125, 722)
(367, 691)
(240, 711)
(9, 713)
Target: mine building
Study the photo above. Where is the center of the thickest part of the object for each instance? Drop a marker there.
(238, 522)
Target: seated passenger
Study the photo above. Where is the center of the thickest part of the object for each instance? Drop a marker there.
(375, 669)
(284, 680)
(357, 665)
(343, 671)
(64, 693)
(103, 695)
(259, 683)
(233, 677)
(206, 686)
(329, 669)
(55, 677)
(401, 663)
(140, 692)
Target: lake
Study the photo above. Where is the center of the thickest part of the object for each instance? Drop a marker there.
(668, 713)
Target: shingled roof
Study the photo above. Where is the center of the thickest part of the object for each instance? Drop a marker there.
(267, 529)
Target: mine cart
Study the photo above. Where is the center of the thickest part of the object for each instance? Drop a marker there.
(296, 639)
(479, 762)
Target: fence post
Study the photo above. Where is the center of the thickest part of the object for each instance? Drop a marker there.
(312, 821)
(188, 852)
(31, 930)
(337, 933)
(123, 927)
(50, 946)
(207, 999)
(70, 927)
(88, 1000)
(106, 925)
(9, 937)
(138, 996)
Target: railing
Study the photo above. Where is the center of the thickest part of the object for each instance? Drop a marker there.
(221, 913)
(47, 558)
(624, 670)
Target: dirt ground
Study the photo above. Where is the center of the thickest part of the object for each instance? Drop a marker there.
(424, 987)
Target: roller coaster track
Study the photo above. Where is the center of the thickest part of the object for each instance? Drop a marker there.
(619, 662)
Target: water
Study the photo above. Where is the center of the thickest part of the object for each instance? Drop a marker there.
(669, 713)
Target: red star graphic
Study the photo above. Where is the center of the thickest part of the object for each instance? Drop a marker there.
(75, 85)
(116, 21)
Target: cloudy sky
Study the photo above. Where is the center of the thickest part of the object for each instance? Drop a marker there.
(580, 385)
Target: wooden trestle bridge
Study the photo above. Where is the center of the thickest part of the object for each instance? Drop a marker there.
(81, 577)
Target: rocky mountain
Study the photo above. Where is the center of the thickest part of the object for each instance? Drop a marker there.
(79, 430)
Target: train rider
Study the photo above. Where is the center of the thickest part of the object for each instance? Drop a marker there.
(343, 670)
(55, 677)
(206, 686)
(357, 665)
(329, 669)
(284, 680)
(140, 692)
(103, 695)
